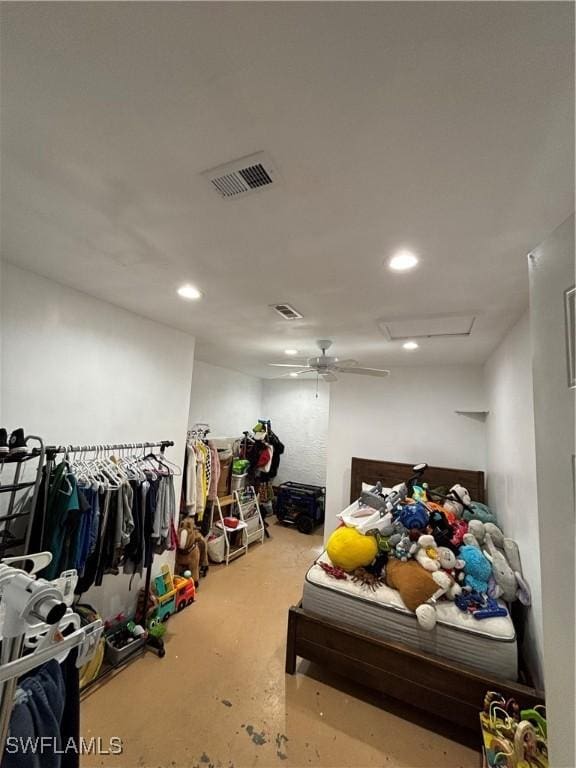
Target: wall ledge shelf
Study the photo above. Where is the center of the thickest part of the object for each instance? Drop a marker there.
(479, 414)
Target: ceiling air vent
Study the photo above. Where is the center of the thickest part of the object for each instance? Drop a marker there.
(243, 176)
(286, 311)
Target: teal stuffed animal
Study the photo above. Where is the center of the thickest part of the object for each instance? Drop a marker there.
(477, 568)
(478, 511)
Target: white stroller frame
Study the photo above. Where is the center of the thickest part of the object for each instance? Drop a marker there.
(35, 607)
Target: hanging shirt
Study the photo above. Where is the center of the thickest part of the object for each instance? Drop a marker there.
(88, 500)
(215, 475)
(264, 457)
(164, 516)
(266, 468)
(62, 518)
(37, 714)
(191, 481)
(201, 479)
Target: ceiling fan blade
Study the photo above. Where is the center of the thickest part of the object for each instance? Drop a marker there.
(304, 370)
(329, 376)
(287, 365)
(365, 371)
(348, 363)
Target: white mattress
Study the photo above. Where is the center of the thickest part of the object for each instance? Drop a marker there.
(488, 645)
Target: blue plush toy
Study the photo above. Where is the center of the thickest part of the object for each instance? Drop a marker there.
(477, 568)
(413, 516)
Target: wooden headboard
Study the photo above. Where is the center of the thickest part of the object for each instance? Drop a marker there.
(392, 472)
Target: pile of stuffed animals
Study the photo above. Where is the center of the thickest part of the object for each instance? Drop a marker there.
(428, 550)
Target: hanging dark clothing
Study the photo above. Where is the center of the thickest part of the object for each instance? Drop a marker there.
(37, 713)
(149, 516)
(91, 566)
(134, 550)
(61, 521)
(70, 723)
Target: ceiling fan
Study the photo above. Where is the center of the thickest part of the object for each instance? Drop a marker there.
(327, 367)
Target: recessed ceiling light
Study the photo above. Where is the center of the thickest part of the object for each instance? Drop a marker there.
(294, 375)
(188, 291)
(411, 345)
(402, 261)
(290, 351)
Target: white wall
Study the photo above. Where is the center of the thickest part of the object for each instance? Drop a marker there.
(407, 417)
(79, 370)
(232, 402)
(229, 401)
(511, 467)
(552, 273)
(1, 415)
(300, 419)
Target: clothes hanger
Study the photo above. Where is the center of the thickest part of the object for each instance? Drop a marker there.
(148, 467)
(107, 469)
(173, 469)
(116, 465)
(136, 464)
(130, 464)
(67, 491)
(90, 465)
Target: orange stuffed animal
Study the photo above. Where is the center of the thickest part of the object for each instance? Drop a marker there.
(418, 588)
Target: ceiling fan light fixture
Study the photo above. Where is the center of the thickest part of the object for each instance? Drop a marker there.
(402, 261)
(410, 345)
(293, 375)
(291, 352)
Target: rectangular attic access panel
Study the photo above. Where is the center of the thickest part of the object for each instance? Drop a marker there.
(431, 326)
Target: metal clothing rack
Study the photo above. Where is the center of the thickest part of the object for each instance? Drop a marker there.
(13, 513)
(52, 451)
(200, 430)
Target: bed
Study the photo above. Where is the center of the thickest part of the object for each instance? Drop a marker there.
(396, 656)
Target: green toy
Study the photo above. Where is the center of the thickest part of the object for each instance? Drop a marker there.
(156, 631)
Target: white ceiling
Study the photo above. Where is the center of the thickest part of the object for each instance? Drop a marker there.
(443, 127)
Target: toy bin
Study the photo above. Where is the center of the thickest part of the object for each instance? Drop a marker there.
(238, 482)
(300, 505)
(216, 547)
(117, 649)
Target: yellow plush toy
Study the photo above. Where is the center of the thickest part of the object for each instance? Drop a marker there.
(348, 549)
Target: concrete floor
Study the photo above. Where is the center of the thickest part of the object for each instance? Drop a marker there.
(220, 698)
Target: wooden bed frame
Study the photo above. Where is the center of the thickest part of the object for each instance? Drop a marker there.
(427, 682)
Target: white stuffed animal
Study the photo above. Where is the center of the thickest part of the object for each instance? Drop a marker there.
(479, 531)
(426, 613)
(449, 564)
(426, 553)
(510, 584)
(504, 557)
(458, 496)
